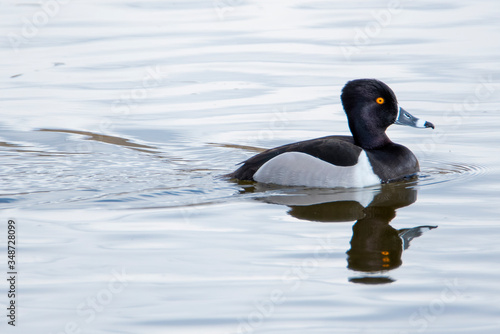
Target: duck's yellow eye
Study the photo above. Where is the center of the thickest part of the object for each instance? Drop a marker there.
(380, 100)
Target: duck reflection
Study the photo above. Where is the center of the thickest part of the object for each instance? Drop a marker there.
(376, 246)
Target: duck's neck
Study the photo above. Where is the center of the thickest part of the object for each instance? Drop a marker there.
(368, 137)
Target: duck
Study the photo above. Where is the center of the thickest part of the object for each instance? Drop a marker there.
(366, 158)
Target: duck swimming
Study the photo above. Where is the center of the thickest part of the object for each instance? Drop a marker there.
(366, 158)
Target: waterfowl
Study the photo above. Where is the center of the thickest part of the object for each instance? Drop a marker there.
(366, 158)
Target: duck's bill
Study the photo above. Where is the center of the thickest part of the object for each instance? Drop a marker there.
(405, 118)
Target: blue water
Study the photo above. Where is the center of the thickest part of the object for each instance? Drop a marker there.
(119, 120)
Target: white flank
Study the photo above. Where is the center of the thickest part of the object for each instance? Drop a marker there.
(301, 169)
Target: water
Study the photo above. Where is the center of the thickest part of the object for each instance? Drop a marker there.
(119, 120)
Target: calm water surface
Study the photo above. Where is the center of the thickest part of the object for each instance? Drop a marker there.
(120, 118)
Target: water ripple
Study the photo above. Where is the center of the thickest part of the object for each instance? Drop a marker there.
(436, 171)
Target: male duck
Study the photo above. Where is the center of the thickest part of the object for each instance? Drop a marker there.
(367, 158)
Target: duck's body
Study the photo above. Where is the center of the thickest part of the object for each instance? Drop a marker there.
(367, 158)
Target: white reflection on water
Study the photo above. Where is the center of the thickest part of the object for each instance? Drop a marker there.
(119, 118)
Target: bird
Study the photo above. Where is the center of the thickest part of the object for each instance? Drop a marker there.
(366, 158)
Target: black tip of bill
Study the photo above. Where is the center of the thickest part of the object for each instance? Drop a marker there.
(405, 118)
